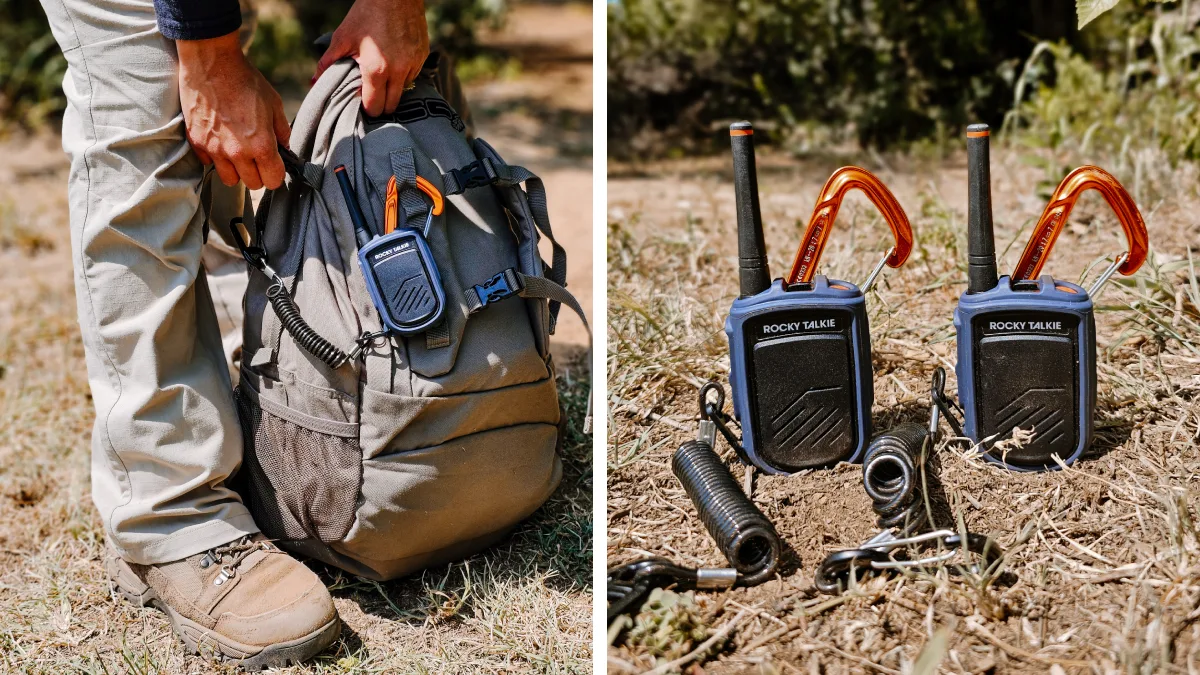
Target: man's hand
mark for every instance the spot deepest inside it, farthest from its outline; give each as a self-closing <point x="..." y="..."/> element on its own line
<point x="389" y="40"/>
<point x="234" y="117"/>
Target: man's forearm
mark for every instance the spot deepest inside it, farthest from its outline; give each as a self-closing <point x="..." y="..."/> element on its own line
<point x="197" y="19"/>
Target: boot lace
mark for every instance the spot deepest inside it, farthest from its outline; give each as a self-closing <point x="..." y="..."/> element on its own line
<point x="232" y="555"/>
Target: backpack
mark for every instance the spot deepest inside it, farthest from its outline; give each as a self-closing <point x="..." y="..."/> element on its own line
<point x="379" y="453"/>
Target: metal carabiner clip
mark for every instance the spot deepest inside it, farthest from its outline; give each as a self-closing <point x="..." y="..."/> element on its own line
<point x="876" y="553"/>
<point x="391" y="206"/>
<point x="843" y="180"/>
<point x="1054" y="217"/>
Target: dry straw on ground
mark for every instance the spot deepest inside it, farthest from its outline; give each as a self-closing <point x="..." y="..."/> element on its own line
<point x="1106" y="555"/>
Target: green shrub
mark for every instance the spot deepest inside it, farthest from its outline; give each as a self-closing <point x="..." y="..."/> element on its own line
<point x="282" y="51"/>
<point x="1148" y="96"/>
<point x="885" y="73"/>
<point x="31" y="66"/>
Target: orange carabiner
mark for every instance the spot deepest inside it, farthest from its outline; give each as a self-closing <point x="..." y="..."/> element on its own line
<point x="391" y="207"/>
<point x="432" y="192"/>
<point x="1055" y="217"/>
<point x="842" y="181"/>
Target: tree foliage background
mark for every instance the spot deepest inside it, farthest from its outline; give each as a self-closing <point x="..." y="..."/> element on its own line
<point x="881" y="73"/>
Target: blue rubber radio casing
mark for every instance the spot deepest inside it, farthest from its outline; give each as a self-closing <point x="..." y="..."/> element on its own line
<point x="403" y="281"/>
<point x="800" y="372"/>
<point x="1027" y="358"/>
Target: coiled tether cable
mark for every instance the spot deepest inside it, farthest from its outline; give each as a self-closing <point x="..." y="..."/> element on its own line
<point x="893" y="476"/>
<point x="311" y="176"/>
<point x="742" y="533"/>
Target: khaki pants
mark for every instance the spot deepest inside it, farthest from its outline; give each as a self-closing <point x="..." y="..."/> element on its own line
<point x="166" y="435"/>
<point x="160" y="310"/>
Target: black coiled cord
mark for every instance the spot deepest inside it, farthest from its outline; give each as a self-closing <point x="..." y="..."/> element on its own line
<point x="301" y="332"/>
<point x="892" y="478"/>
<point x="743" y="534"/>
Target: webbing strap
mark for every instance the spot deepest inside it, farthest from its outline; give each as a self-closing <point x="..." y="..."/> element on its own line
<point x="291" y="263"/>
<point x="500" y="286"/>
<point x="511" y="282"/>
<point x="412" y="202"/>
<point x="299" y="173"/>
<point x="479" y="173"/>
<point x="536" y="190"/>
<point x="437" y="336"/>
<point x="541" y="287"/>
<point x="484" y="171"/>
<point x="512" y="175"/>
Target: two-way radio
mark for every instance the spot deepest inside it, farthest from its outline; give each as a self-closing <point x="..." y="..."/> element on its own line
<point x="1027" y="343"/>
<point x="800" y="347"/>
<point x="398" y="266"/>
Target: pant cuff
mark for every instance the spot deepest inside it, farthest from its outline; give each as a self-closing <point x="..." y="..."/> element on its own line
<point x="189" y="541"/>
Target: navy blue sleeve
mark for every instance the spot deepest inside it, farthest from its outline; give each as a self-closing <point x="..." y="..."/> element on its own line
<point x="197" y="19"/>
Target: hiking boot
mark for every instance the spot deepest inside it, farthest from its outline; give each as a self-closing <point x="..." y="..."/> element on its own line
<point x="246" y="601"/>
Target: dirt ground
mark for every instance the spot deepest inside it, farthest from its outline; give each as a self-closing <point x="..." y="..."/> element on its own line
<point x="1101" y="573"/>
<point x="524" y="606"/>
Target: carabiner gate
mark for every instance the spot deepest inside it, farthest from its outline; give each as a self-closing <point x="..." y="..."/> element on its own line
<point x="391" y="208"/>
<point x="1054" y="217"/>
<point x="843" y="180"/>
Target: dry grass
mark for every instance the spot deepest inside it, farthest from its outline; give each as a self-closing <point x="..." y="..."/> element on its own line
<point x="1106" y="555"/>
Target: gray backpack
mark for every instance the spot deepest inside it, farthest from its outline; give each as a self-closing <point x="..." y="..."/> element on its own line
<point x="381" y="453"/>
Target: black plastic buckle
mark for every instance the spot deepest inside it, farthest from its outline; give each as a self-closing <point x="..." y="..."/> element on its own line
<point x="495" y="289"/>
<point x="476" y="174"/>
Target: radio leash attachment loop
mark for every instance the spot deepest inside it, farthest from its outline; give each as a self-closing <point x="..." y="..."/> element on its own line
<point x="712" y="416"/>
<point x="949" y="408"/>
<point x="362" y="342"/>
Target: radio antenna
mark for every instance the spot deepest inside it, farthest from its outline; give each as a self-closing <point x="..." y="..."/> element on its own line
<point x="981" y="241"/>
<point x="753" y="271"/>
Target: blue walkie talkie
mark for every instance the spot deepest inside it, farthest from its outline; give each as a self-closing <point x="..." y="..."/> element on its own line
<point x="800" y="347"/>
<point x="398" y="267"/>
<point x="1027" y="344"/>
